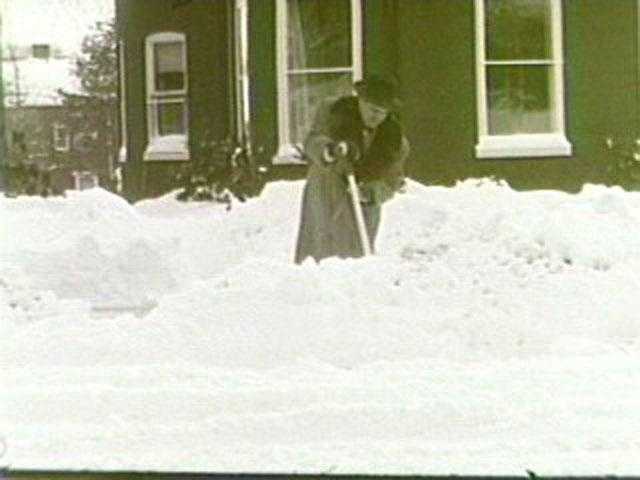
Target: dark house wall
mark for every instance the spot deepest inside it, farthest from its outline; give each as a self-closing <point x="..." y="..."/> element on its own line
<point x="263" y="76"/>
<point x="437" y="71"/>
<point x="429" y="46"/>
<point x="381" y="37"/>
<point x="436" y="50"/>
<point x="206" y="25"/>
<point x="602" y="83"/>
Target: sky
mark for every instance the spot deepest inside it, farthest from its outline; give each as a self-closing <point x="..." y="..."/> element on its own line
<point x="63" y="23"/>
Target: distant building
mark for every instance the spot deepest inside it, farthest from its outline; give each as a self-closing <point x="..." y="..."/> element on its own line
<point x="42" y="134"/>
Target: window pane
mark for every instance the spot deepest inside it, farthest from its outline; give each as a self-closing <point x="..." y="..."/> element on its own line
<point x="60" y="137"/>
<point x="319" y="33"/>
<point x="171" y="118"/>
<point x="518" y="29"/>
<point x="520" y="99"/>
<point x="169" y="66"/>
<point x="307" y="92"/>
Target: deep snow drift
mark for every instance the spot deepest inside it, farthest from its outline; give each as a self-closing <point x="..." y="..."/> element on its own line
<point x="493" y="332"/>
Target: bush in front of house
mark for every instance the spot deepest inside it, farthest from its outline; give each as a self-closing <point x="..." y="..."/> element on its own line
<point x="222" y="171"/>
<point x="28" y="179"/>
<point x="626" y="164"/>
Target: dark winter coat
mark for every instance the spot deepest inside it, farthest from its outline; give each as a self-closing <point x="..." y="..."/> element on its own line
<point x="327" y="221"/>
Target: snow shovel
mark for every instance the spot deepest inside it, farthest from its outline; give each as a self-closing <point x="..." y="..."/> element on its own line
<point x="357" y="209"/>
<point x="342" y="149"/>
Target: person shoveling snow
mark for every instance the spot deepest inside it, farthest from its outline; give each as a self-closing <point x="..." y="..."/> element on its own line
<point x="355" y="136"/>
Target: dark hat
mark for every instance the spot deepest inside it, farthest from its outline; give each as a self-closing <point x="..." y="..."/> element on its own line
<point x="378" y="90"/>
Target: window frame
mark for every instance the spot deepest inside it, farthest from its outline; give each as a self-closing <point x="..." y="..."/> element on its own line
<point x="66" y="146"/>
<point x="287" y="154"/>
<point x="242" y="88"/>
<point x="524" y="145"/>
<point x="124" y="138"/>
<point x="158" y="146"/>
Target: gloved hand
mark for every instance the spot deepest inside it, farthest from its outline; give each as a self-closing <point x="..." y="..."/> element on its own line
<point x="342" y="155"/>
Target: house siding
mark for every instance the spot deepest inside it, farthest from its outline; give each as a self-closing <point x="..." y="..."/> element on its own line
<point x="429" y="47"/>
<point x="438" y="75"/>
<point x="381" y="37"/>
<point x="602" y="71"/>
<point x="437" y="68"/>
<point x="263" y="77"/>
<point x="206" y="27"/>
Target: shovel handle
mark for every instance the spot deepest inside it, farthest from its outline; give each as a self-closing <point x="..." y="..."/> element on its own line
<point x="357" y="208"/>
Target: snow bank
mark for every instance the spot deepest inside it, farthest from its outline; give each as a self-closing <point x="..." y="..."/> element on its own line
<point x="91" y="245"/>
<point x="476" y="269"/>
<point x="495" y="329"/>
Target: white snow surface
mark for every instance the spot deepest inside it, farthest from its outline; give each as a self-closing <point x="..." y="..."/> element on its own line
<point x="494" y="331"/>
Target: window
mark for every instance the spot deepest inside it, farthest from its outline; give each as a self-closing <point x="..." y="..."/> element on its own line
<point x="61" y="138"/>
<point x="520" y="79"/>
<point x="85" y="180"/>
<point x="42" y="51"/>
<point x="84" y="142"/>
<point x="166" y="61"/>
<point x="18" y="140"/>
<point x="319" y="56"/>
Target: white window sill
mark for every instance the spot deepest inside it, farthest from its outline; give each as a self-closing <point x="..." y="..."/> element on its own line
<point x="523" y="146"/>
<point x="288" y="155"/>
<point x="167" y="148"/>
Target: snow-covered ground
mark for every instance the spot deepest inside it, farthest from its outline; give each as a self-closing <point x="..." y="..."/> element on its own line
<point x="493" y="332"/>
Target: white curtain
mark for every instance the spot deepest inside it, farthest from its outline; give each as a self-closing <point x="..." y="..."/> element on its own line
<point x="300" y="108"/>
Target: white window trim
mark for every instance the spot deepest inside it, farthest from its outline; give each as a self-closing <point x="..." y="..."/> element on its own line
<point x="242" y="87"/>
<point x="56" y="137"/>
<point x="124" y="139"/>
<point x="287" y="153"/>
<point x="553" y="144"/>
<point x="172" y="147"/>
